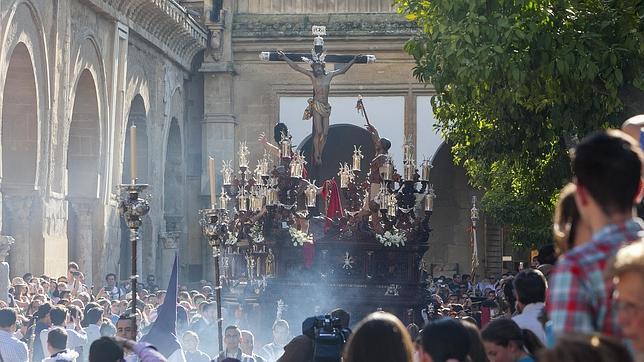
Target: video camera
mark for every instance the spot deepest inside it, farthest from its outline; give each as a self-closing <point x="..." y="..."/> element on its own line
<point x="328" y="335"/>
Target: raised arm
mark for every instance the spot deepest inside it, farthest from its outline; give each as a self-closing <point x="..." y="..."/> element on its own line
<point x="375" y="137"/>
<point x="293" y="65"/>
<point x="346" y="67"/>
<point x="271" y="148"/>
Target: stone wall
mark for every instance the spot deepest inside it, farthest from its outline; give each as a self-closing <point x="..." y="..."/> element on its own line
<point x="85" y="61"/>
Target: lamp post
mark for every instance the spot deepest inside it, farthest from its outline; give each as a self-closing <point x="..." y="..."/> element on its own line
<point x="214" y="227"/>
<point x="474" y="216"/>
<point x="132" y="208"/>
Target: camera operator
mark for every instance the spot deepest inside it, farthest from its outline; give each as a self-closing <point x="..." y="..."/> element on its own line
<point x="303" y="347"/>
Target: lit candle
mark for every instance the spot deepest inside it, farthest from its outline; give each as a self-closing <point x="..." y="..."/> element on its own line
<point x="311" y="193"/>
<point x="429" y="199"/>
<point x="392" y="205"/>
<point x="429" y="202"/>
<point x="265" y="165"/>
<point x="133" y="153"/>
<point x="297" y="165"/>
<point x="425" y="170"/>
<point x="382" y="197"/>
<point x="243" y="155"/>
<point x="258" y="170"/>
<point x="223" y="200"/>
<point x="242" y="198"/>
<point x="387" y="170"/>
<point x="285" y="146"/>
<point x="357" y="156"/>
<point x="408" y="151"/>
<point x="227" y="173"/>
<point x="213" y="182"/>
<point x="270" y="197"/>
<point x="257" y="202"/>
<point x="345" y="176"/>
<point x="410" y="170"/>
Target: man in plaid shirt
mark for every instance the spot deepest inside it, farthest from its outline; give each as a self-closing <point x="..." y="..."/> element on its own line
<point x="607" y="166"/>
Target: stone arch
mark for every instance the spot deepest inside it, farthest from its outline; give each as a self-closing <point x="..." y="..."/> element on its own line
<point x="449" y="241"/>
<point x="20" y="122"/>
<point x="174" y="214"/>
<point x="25" y="30"/>
<point x="173" y="178"/>
<point x="89" y="60"/>
<point x="83" y="172"/>
<point x="137" y="115"/>
<point x="19" y="156"/>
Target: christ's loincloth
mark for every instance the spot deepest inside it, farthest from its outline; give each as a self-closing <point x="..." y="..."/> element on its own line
<point x="323" y="109"/>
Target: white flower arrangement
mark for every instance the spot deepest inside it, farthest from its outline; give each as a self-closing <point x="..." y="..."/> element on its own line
<point x="231" y="239"/>
<point x="392" y="238"/>
<point x="299" y="237"/>
<point x="256" y="233"/>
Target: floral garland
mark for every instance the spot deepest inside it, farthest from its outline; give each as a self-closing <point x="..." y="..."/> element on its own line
<point x="392" y="238"/>
<point x="256" y="233"/>
<point x="299" y="237"/>
<point x="231" y="239"/>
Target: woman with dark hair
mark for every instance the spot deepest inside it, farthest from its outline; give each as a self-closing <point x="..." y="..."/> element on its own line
<point x="504" y="341"/>
<point x="380" y="337"/>
<point x="586" y="348"/>
<point x="444" y="340"/>
<point x="509" y="297"/>
<point x="476" y="351"/>
<point x="568" y="228"/>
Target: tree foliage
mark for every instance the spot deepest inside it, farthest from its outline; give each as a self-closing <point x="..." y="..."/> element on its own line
<point x="517" y="82"/>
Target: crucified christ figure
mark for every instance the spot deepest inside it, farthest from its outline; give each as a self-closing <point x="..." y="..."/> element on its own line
<point x="319" y="108"/>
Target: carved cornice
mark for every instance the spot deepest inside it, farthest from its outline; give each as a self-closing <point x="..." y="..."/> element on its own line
<point x="168" y="23"/>
<point x="337" y="25"/>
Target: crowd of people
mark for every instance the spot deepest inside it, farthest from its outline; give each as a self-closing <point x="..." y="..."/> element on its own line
<point x="581" y="300"/>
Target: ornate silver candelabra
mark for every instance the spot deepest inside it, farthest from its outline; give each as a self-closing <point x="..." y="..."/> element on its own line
<point x="214" y="226"/>
<point x="133" y="208"/>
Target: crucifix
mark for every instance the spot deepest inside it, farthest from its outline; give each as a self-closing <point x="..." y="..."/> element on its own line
<point x="318" y="107"/>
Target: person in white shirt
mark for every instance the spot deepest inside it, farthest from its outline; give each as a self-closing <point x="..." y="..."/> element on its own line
<point x="274" y="350"/>
<point x="76" y="335"/>
<point x="56" y="346"/>
<point x="11" y="348"/>
<point x="530" y="289"/>
<point x="94" y="319"/>
<point x="485" y="284"/>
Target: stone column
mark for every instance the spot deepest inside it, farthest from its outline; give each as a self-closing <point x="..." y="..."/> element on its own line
<point x="170" y="243"/>
<point x="410" y="126"/>
<point x="18" y="212"/>
<point x="5" y="245"/>
<point x="83" y="241"/>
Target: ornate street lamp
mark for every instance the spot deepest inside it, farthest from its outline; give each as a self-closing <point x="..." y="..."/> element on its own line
<point x="133" y="208"/>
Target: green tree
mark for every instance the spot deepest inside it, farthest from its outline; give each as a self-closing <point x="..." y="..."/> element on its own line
<point x="518" y="82"/>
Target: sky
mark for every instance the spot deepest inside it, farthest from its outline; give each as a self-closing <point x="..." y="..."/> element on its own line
<point x="385" y="113"/>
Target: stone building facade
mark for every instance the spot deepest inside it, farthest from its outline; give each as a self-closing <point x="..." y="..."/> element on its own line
<point x="76" y="74"/>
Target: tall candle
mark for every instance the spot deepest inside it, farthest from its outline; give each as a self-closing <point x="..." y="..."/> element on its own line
<point x="213" y="182"/>
<point x="429" y="202"/>
<point x="223" y="200"/>
<point x="133" y="154"/>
